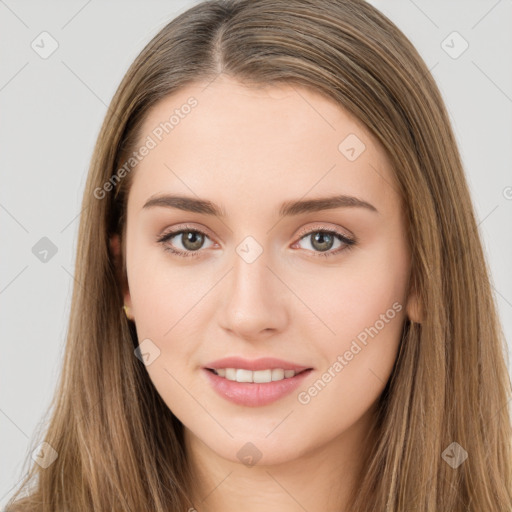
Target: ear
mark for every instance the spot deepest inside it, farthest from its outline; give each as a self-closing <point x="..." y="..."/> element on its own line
<point x="413" y="308"/>
<point x="115" y="250"/>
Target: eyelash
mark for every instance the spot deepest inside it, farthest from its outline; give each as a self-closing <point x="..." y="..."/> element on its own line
<point x="349" y="242"/>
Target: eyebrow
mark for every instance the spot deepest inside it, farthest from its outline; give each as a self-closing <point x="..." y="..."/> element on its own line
<point x="288" y="208"/>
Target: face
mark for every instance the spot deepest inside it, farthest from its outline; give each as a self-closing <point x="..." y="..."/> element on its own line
<point x="321" y="286"/>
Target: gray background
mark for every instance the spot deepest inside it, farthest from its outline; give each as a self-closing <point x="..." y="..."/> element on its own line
<point x="51" y="112"/>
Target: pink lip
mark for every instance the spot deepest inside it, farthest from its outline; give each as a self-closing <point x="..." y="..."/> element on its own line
<point x="253" y="394"/>
<point x="263" y="363"/>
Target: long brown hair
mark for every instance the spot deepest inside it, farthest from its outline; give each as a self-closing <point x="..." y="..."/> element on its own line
<point x="120" y="447"/>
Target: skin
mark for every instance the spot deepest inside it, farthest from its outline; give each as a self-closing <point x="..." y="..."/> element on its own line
<point x="248" y="150"/>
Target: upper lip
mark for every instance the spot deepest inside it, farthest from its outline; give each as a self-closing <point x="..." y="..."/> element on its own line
<point x="263" y="363"/>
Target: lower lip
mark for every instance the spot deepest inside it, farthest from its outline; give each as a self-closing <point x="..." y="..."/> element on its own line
<point x="254" y="394"/>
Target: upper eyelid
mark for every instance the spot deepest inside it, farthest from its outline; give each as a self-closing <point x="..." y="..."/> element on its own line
<point x="302" y="231"/>
<point x="323" y="227"/>
<point x="176" y="231"/>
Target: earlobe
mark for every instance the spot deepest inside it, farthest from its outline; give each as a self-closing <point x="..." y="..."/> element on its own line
<point x="413" y="309"/>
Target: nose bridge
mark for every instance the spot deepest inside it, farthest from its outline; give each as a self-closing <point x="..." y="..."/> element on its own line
<point x="251" y="276"/>
<point x="253" y="301"/>
<point x="250" y="272"/>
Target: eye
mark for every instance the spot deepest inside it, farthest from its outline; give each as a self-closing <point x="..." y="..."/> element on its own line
<point x="322" y="241"/>
<point x="191" y="241"/>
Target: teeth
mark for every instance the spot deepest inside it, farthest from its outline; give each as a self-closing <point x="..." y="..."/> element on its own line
<point x="259" y="376"/>
<point x="244" y="376"/>
<point x="262" y="376"/>
<point x="278" y="374"/>
<point x="230" y="373"/>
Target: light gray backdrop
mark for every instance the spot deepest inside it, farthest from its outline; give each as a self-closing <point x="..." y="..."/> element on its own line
<point x="53" y="100"/>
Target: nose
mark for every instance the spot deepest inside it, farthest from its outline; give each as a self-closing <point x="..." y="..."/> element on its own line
<point x="254" y="301"/>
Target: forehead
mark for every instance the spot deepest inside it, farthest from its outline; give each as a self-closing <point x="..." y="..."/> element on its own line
<point x="273" y="141"/>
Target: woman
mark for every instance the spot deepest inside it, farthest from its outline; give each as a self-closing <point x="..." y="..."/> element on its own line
<point x="283" y="298"/>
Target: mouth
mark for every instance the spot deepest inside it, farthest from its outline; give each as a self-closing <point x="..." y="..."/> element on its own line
<point x="254" y="383"/>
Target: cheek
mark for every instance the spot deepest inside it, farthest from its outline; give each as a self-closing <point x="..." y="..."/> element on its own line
<point x="169" y="303"/>
<point x="357" y="361"/>
<point x="367" y="288"/>
<point x="362" y="308"/>
<point x="163" y="299"/>
<point x="162" y="292"/>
